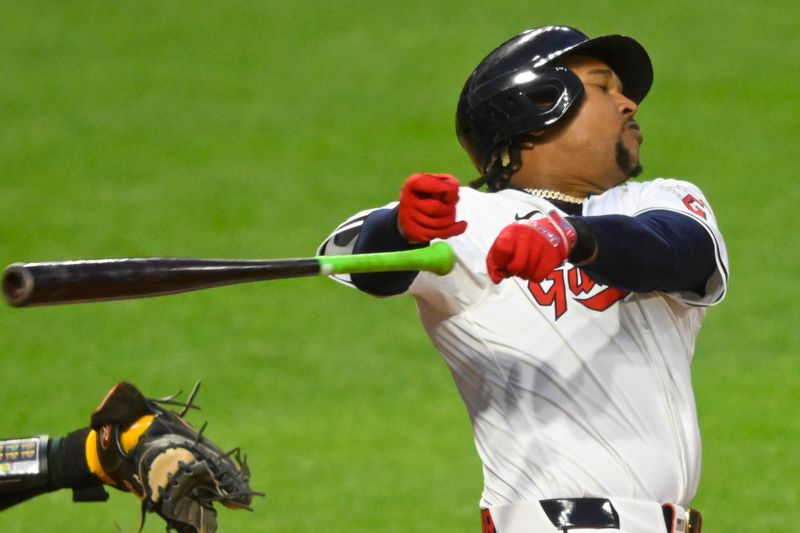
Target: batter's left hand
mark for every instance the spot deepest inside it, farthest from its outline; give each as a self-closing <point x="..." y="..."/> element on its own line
<point x="427" y="208"/>
<point x="531" y="249"/>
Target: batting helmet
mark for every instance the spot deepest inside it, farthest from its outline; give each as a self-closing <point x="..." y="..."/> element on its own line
<point x="516" y="89"/>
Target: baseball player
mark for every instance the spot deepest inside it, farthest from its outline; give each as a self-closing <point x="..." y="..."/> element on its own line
<point x="570" y="318"/>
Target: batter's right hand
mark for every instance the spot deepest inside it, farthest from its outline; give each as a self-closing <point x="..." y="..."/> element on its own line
<point x="531" y="249"/>
<point x="428" y="208"/>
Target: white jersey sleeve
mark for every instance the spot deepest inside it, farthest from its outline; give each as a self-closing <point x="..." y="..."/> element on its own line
<point x="679" y="197"/>
<point x="342" y="240"/>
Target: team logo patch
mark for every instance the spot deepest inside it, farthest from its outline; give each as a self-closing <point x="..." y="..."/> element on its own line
<point x="105" y="437"/>
<point x="691" y="202"/>
<point x="563" y="286"/>
<point x="695" y="205"/>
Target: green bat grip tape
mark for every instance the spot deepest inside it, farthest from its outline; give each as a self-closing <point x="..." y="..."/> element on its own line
<point x="438" y="258"/>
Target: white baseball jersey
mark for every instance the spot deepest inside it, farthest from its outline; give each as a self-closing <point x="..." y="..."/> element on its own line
<point x="574" y="389"/>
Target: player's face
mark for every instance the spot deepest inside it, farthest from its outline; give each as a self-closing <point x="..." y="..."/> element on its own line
<point x="598" y="147"/>
<point x="604" y="124"/>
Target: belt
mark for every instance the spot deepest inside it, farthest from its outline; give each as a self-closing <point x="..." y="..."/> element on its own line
<point x="599" y="513"/>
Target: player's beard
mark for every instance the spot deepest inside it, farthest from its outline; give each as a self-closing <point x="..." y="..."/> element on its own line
<point x="626" y="162"/>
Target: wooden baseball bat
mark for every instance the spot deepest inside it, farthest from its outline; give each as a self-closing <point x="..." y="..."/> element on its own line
<point x="60" y="282"/>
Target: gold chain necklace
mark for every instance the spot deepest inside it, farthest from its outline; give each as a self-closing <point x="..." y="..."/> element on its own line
<point x="555" y="195"/>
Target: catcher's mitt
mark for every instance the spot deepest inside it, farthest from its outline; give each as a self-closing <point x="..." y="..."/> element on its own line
<point x="175" y="470"/>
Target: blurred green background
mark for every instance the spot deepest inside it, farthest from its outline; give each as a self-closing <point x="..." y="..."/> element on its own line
<point x="249" y="129"/>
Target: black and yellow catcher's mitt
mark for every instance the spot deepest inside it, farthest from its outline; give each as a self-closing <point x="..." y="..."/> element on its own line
<point x="174" y="469"/>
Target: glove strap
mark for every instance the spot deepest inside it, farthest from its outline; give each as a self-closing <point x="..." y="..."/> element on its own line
<point x="567" y="232"/>
<point x="108" y="453"/>
<point x="93" y="458"/>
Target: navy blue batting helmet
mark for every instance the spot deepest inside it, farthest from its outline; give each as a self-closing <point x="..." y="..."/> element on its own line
<point x="517" y="89"/>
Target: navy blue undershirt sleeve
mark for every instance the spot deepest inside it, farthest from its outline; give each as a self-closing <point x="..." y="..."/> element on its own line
<point x="657" y="250"/>
<point x="379" y="233"/>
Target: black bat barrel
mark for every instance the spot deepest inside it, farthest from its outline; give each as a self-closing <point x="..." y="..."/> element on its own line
<point x="26" y="284"/>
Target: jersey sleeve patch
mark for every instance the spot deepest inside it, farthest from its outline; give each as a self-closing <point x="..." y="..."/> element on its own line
<point x="695" y="205"/>
<point x="676" y="195"/>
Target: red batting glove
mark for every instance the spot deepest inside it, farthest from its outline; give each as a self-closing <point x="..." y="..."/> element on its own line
<point x="531" y="249"/>
<point x="428" y="208"/>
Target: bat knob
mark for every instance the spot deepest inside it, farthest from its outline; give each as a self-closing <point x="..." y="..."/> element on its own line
<point x="17" y="285"/>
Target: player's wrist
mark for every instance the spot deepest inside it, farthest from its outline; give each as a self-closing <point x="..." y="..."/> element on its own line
<point x="564" y="230"/>
<point x="402" y="233"/>
<point x="67" y="466"/>
<point x="37" y="465"/>
<point x="584" y="250"/>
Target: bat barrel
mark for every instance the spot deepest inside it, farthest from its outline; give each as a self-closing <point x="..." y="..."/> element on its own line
<point x="17" y="285"/>
<point x="26" y="284"/>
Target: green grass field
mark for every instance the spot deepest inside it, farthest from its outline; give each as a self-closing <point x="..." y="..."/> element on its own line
<point x="250" y="129"/>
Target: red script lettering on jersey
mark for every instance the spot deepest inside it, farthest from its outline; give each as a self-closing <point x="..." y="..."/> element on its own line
<point x="563" y="285"/>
